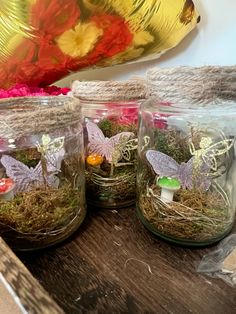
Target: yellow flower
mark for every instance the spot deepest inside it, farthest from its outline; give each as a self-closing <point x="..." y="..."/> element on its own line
<point x="78" y="42"/>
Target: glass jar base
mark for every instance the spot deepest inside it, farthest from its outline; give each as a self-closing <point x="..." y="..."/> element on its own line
<point x="182" y="242"/>
<point x="112" y="205"/>
<point x="33" y="242"/>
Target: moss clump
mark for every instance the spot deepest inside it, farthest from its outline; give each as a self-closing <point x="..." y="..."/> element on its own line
<point x="173" y="144"/>
<point x="111" y="127"/>
<point x="194" y="215"/>
<point x="118" y="191"/>
<point x="29" y="157"/>
<point x="41" y="210"/>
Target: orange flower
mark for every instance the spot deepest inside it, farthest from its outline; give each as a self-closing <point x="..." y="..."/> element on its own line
<point x="54" y="16"/>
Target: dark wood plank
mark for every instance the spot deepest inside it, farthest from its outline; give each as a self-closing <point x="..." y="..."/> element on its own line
<point x="32" y="297"/>
<point x="114" y="265"/>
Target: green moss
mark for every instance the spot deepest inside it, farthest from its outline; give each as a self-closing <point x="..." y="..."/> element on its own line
<point x="29" y="157"/>
<point x="40" y="210"/>
<point x="195" y="215"/>
<point x="173" y="144"/>
<point x="111" y="128"/>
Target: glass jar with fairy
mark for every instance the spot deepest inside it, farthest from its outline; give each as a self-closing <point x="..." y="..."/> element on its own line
<point x="42" y="186"/>
<point x="186" y="177"/>
<point x="110" y="110"/>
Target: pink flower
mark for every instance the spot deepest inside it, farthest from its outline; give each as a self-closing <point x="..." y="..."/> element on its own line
<point x="160" y="119"/>
<point x="23" y="90"/>
<point x="127" y="115"/>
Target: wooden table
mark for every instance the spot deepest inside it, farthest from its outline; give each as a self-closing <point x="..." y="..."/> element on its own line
<point x="114" y="265"/>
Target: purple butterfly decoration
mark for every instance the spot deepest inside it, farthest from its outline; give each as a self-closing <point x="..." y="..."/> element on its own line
<point x="25" y="177"/>
<point x="101" y="145"/>
<point x="165" y="166"/>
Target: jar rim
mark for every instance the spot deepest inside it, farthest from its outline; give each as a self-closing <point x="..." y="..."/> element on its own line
<point x="111" y="91"/>
<point x="219" y="106"/>
<point x="38" y="115"/>
<point x="110" y="105"/>
<point x="35" y="102"/>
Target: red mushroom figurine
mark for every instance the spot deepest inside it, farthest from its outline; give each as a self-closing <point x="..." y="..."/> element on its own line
<point x="6" y="189"/>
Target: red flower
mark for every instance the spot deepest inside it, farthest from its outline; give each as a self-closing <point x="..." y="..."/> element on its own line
<point x="54" y="16"/>
<point x="23" y="72"/>
<point x="48" y="65"/>
<point x="50" y="57"/>
<point x="52" y="76"/>
<point x="55" y="91"/>
<point x="52" y="63"/>
<point x="28" y="73"/>
<point x="117" y="35"/>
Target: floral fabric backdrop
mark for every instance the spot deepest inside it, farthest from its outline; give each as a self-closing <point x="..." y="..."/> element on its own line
<point x="42" y="41"/>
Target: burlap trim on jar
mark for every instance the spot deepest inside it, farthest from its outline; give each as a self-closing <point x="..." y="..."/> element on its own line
<point x="110" y="90"/>
<point x="184" y="84"/>
<point x="34" y="115"/>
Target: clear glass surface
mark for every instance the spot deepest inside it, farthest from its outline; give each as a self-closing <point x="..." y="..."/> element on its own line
<point x="111" y="152"/>
<point x="42" y="186"/>
<point x="186" y="181"/>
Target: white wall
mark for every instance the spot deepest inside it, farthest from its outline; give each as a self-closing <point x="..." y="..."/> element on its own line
<point x="213" y="42"/>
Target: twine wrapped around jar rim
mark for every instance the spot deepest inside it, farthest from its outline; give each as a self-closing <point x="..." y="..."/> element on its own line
<point x="110" y="90"/>
<point x="25" y="116"/>
<point x="207" y="84"/>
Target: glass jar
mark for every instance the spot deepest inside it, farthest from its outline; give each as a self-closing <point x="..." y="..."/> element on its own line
<point x="42" y="186"/>
<point x="187" y="171"/>
<point x="110" y="110"/>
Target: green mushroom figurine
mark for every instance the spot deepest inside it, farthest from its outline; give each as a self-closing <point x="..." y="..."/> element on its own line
<point x="168" y="187"/>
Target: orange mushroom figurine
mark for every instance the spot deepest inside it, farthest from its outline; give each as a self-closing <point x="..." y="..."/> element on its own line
<point x="6" y="189"/>
<point x="94" y="160"/>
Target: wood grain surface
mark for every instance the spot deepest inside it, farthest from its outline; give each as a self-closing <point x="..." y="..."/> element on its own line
<point x="31" y="297"/>
<point x="114" y="265"/>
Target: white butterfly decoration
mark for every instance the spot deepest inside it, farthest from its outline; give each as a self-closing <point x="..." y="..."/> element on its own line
<point x="104" y="146"/>
<point x="25" y="178"/>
